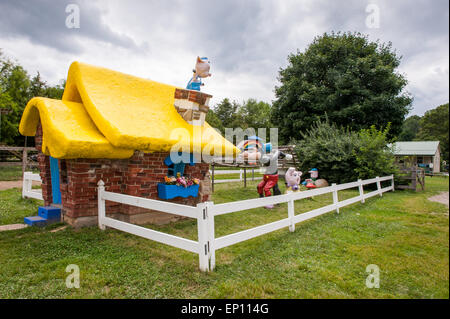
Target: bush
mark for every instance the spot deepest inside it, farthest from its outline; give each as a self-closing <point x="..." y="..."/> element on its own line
<point x="373" y="156"/>
<point x="343" y="156"/>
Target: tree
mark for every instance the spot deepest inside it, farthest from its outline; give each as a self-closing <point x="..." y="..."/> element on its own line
<point x="434" y="127"/>
<point x="345" y="77"/>
<point x="16" y="89"/>
<point x="214" y="121"/>
<point x="410" y="128"/>
<point x="255" y="114"/>
<point x="14" y="93"/>
<point x="228" y="114"/>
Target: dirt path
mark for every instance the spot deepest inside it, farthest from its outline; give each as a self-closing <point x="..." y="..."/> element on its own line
<point x="12" y="227"/>
<point x="14" y="184"/>
<point x="441" y="198"/>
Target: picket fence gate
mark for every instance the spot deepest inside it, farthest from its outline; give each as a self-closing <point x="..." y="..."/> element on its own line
<point x="207" y="243"/>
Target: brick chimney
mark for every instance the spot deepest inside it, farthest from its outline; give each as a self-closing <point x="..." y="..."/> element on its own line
<point x="192" y="105"/>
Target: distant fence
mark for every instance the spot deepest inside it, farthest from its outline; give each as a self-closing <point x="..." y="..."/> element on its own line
<point x="18" y="156"/>
<point x="27" y="186"/>
<point x="240" y="171"/>
<point x="410" y="178"/>
<point x="207" y="243"/>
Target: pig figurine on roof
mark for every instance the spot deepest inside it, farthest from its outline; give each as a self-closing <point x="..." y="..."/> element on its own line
<point x="201" y="71"/>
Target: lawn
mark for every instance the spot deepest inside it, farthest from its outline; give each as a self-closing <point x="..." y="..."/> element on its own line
<point x="10" y="173"/>
<point x="13" y="173"/>
<point x="403" y="233"/>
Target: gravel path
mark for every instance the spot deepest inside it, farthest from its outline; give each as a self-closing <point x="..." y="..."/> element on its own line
<point x="441" y="198"/>
<point x="14" y="184"/>
<point x="12" y="227"/>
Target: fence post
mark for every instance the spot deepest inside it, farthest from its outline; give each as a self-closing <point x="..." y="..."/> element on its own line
<point x="335" y="196"/>
<point x="24" y="184"/>
<point x="361" y="191"/>
<point x="212" y="177"/>
<point x="392" y="183"/>
<point x="291" y="214"/>
<point x="24" y="159"/>
<point x="211" y="236"/>
<point x="245" y="177"/>
<point x="101" y="204"/>
<point x="379" y="186"/>
<point x="202" y="228"/>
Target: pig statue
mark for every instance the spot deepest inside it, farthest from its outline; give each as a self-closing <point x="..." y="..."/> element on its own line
<point x="201" y="71"/>
<point x="292" y="179"/>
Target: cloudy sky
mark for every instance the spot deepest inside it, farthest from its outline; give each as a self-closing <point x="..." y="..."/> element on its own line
<point x="246" y="41"/>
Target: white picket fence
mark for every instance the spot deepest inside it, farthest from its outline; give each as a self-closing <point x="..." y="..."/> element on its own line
<point x="207" y="243"/>
<point x="240" y="172"/>
<point x="27" y="190"/>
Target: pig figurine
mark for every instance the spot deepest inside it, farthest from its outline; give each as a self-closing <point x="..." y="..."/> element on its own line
<point x="292" y="179"/>
<point x="201" y="71"/>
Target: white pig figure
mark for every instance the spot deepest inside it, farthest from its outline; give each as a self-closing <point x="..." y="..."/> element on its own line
<point x="202" y="67"/>
<point x="201" y="71"/>
<point x="293" y="179"/>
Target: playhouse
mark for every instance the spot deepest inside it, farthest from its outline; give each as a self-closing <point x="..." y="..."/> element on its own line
<point x="120" y="129"/>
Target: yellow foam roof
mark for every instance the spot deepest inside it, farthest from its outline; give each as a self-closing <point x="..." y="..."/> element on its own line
<point x="108" y="114"/>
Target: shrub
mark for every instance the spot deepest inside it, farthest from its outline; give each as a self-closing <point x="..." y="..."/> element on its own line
<point x="342" y="155"/>
<point x="329" y="148"/>
<point x="373" y="156"/>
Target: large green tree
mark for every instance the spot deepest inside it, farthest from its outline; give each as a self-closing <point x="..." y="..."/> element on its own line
<point x="16" y="89"/>
<point x="14" y="94"/>
<point x="345" y="77"/>
<point x="228" y="114"/>
<point x="214" y="121"/>
<point x="251" y="114"/>
<point x="255" y="114"/>
<point x="434" y="127"/>
<point x="410" y="128"/>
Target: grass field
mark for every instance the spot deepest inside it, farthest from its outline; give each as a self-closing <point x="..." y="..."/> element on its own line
<point x="403" y="233"/>
<point x="13" y="173"/>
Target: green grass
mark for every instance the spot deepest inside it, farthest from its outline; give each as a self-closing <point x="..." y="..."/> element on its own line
<point x="12" y="173"/>
<point x="13" y="208"/>
<point x="403" y="233"/>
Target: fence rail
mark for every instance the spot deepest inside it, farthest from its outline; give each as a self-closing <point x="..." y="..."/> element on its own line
<point x="207" y="243"/>
<point x="229" y="172"/>
<point x="27" y="190"/>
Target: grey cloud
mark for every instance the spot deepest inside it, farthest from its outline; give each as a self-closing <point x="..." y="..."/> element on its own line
<point x="240" y="37"/>
<point x="43" y="22"/>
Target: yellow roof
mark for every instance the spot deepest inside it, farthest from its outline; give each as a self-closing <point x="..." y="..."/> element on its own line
<point x="108" y="114"/>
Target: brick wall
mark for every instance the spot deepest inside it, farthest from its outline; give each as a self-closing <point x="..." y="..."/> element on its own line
<point x="136" y="176"/>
